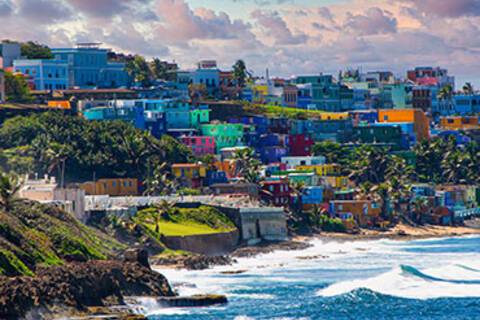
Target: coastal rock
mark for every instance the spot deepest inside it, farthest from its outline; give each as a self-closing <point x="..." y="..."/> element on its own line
<point x="194" y="262"/>
<point x="193" y="301"/>
<point x="139" y="256"/>
<point x="78" y="286"/>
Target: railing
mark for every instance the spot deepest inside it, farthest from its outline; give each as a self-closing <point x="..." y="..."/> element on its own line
<point x="466" y="213"/>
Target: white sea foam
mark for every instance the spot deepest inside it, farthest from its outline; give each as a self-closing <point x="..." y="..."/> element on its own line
<point x="408" y="282"/>
<point x="256" y="296"/>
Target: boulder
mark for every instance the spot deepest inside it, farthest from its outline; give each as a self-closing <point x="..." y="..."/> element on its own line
<point x="139" y="256"/>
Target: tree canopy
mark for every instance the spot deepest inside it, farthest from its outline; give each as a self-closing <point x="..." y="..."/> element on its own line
<point x="16" y="88"/>
<point x="34" y="50"/>
<point x="40" y="143"/>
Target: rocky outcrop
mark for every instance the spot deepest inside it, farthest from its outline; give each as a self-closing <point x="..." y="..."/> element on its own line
<point x="77" y="286"/>
<point x="267" y="247"/>
<point x="194" y="262"/>
<point x="193" y="301"/>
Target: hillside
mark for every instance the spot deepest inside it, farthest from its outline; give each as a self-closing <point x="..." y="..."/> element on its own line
<point x="33" y="235"/>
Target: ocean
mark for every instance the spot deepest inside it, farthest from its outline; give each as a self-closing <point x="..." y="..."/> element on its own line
<point x="382" y="279"/>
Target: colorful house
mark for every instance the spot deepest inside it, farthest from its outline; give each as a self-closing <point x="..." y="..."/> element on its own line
<point x="200" y="145"/>
<point x="388" y="135"/>
<point x="296" y="162"/>
<point x="199" y="116"/>
<point x="276" y="192"/>
<point x="226" y="134"/>
<point x="330" y="169"/>
<point x="459" y="123"/>
<point x="417" y="117"/>
<point x="112" y="187"/>
<point x="364" y="212"/>
<point x="312" y="196"/>
<point x="300" y="145"/>
<point x="190" y="174"/>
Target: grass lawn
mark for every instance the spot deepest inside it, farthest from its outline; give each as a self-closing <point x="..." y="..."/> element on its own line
<point x="187" y="229"/>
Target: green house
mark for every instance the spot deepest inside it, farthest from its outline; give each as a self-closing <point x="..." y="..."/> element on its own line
<point x="391" y="135"/>
<point x="198" y="117"/>
<point x="227" y="135"/>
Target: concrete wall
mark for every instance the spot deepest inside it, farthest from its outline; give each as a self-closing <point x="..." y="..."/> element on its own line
<point x="209" y="244"/>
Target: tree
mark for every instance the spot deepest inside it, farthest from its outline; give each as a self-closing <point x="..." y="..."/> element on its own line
<point x="160" y="183"/>
<point x="139" y="70"/>
<point x="240" y="73"/>
<point x="468" y="88"/>
<point x="10" y="185"/>
<point x="34" y="50"/>
<point x="16" y="88"/>
<point x="247" y="166"/>
<point x="333" y="152"/>
<point x="370" y="165"/>
<point x="161" y="211"/>
<point x="158" y="69"/>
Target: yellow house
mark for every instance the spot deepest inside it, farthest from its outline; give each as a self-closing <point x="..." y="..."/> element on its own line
<point x="189" y="170"/>
<point x="339" y="182"/>
<point x="322" y="170"/>
<point x="111" y="187"/>
<point x="325" y="116"/>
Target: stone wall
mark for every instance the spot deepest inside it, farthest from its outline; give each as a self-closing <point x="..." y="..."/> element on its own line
<point x="208" y="244"/>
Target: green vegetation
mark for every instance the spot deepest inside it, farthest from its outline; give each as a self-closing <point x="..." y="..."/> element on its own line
<point x="34" y="50"/>
<point x="184" y="222"/>
<point x="16" y="88"/>
<point x="52" y="141"/>
<point x="331" y="224"/>
<point x="33" y="234"/>
<point x="273" y="111"/>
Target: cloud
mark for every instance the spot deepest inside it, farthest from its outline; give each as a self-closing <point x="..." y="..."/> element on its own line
<point x="447" y="8"/>
<point x="181" y="24"/>
<point x="6" y="8"/>
<point x="43" y="11"/>
<point x="276" y="27"/>
<point x="374" y="21"/>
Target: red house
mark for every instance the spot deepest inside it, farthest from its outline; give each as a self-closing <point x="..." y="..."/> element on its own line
<point x="200" y="145"/>
<point x="276" y="192"/>
<point x="300" y="145"/>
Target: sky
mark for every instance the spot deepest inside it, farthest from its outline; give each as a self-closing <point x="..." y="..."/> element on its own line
<point x="286" y="36"/>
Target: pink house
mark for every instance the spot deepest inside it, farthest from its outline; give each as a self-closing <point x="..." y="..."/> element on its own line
<point x="200" y="145"/>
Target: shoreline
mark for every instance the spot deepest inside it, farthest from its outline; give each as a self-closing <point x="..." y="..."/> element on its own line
<point x="401" y="232"/>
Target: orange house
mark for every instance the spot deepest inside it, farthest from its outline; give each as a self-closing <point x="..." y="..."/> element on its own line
<point x="421" y="124"/>
<point x="459" y="123"/>
<point x="111" y="187"/>
<point x="56" y="104"/>
<point x="363" y="211"/>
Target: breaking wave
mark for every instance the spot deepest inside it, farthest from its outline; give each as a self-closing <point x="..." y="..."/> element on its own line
<point x="456" y="280"/>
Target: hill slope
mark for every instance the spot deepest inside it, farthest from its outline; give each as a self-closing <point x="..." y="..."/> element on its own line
<point x="33" y="234"/>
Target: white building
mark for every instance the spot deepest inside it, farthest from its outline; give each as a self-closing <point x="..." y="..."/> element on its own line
<point x="293" y="162"/>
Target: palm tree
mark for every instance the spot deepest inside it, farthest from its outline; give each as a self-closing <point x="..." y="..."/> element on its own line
<point x="163" y="211"/>
<point x="57" y="154"/>
<point x="240" y="73"/>
<point x="10" y="185"/>
<point x="159" y="182"/>
<point x="370" y="165"/>
<point x="247" y="166"/>
<point x="468" y="88"/>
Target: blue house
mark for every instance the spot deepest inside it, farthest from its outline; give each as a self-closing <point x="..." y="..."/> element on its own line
<point x="88" y="67"/>
<point x="313" y="195"/>
<point x="82" y="67"/>
<point x="466" y="104"/>
<point x="46" y="74"/>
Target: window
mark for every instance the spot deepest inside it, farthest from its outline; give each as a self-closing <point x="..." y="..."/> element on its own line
<point x="114" y="184"/>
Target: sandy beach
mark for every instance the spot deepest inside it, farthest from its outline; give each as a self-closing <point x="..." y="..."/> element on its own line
<point x="403" y="232"/>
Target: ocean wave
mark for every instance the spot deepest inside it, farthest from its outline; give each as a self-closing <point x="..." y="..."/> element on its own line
<point x="256" y="296"/>
<point x="457" y="281"/>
